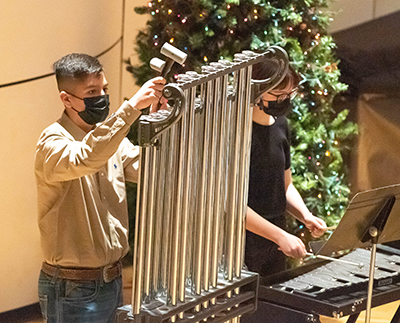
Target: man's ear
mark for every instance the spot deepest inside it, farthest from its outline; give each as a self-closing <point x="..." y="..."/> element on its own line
<point x="65" y="99"/>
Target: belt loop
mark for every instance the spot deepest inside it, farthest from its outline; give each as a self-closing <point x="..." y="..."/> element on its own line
<point x="54" y="278"/>
<point x="119" y="265"/>
<point x="102" y="276"/>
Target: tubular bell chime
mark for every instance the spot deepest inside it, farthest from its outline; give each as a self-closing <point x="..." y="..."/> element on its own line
<point x="192" y="194"/>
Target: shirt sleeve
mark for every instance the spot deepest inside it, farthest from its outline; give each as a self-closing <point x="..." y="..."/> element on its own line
<point x="59" y="157"/>
<point x="130" y="160"/>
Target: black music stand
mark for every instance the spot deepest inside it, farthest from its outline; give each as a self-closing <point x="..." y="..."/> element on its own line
<point x="372" y="216"/>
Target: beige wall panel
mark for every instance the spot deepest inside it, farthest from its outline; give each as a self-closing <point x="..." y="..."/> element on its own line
<point x="351" y="13"/>
<point x="385" y="7"/>
<point x="133" y="23"/>
<point x="33" y="34"/>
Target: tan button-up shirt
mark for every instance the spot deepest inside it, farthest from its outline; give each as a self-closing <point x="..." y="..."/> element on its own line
<point x="82" y="208"/>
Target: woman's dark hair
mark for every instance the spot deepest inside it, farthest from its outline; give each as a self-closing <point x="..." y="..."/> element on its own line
<point x="266" y="69"/>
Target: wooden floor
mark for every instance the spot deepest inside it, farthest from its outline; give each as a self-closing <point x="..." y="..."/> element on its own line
<point x="31" y="314"/>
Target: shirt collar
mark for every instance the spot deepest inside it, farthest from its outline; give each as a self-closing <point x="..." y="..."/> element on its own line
<point x="71" y="127"/>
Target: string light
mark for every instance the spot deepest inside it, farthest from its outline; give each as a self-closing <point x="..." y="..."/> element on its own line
<point x="171" y="40"/>
<point x="169" y="11"/>
<point x="184" y="20"/>
<point x="327" y="153"/>
<point x="205" y="58"/>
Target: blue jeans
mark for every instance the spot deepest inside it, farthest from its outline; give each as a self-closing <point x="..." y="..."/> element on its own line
<point x="71" y="301"/>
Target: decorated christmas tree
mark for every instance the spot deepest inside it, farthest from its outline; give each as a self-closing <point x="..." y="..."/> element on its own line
<point x="209" y="30"/>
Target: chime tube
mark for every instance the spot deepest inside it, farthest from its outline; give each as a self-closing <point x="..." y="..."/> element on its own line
<point x="151" y="165"/>
<point x="211" y="188"/>
<point x="233" y="215"/>
<point x="220" y="183"/>
<point x="175" y="219"/>
<point x="159" y="208"/>
<point x="187" y="194"/>
<point x="167" y="214"/>
<point x="244" y="168"/>
<point x="140" y="234"/>
<point x="249" y="130"/>
<point x="201" y="214"/>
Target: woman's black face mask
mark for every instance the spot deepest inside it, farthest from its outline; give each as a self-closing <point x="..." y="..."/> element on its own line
<point x="276" y="109"/>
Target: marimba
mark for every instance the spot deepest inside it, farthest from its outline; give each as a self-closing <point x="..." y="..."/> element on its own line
<point x="329" y="288"/>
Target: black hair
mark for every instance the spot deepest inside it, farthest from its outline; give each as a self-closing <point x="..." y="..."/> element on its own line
<point x="266" y="69"/>
<point x="75" y="67"/>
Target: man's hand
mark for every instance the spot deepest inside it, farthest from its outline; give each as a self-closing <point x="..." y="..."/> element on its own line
<point x="150" y="93"/>
<point x="292" y="246"/>
<point x="316" y="225"/>
<point x="161" y="105"/>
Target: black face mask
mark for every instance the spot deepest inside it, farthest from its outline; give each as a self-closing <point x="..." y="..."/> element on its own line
<point x="275" y="108"/>
<point x="96" y="108"/>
